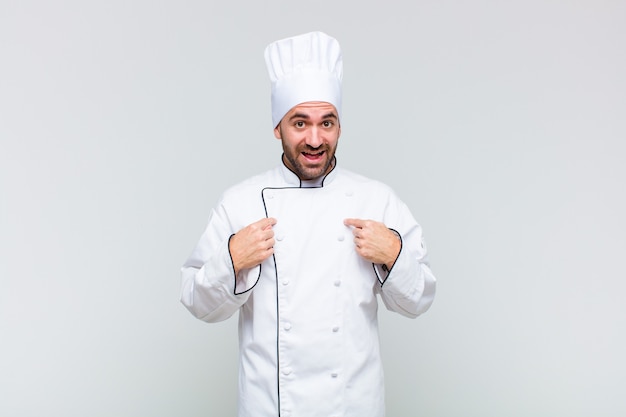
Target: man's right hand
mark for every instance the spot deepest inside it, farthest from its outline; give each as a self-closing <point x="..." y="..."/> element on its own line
<point x="252" y="245"/>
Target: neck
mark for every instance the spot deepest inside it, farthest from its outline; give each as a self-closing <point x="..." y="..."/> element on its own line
<point x="313" y="182"/>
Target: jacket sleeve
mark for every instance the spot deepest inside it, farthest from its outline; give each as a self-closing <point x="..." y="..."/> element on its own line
<point x="409" y="286"/>
<point x="209" y="288"/>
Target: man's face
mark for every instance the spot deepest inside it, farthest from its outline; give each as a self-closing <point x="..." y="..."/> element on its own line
<point x="309" y="133"/>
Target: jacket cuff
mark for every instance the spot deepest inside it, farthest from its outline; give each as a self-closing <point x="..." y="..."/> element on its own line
<point x="381" y="270"/>
<point x="246" y="279"/>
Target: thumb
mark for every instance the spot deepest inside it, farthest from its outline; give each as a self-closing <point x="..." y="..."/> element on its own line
<point x="268" y="223"/>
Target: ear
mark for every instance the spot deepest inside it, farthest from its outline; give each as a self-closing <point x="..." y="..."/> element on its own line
<point x="277" y="134"/>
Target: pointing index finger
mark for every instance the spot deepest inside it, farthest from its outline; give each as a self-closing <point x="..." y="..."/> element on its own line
<point x="358" y="223"/>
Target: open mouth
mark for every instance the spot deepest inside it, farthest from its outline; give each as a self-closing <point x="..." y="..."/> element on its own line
<point x="313" y="156"/>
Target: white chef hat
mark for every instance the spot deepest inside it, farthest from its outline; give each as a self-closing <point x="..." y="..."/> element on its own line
<point x="304" y="68"/>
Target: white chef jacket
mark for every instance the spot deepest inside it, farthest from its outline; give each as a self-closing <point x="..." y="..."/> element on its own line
<point x="308" y="329"/>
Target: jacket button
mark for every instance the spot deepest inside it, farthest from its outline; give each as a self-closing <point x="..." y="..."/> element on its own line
<point x="285" y="282"/>
<point x="334" y="375"/>
<point x="340" y="238"/>
<point x="335" y="329"/>
<point x="280" y="237"/>
<point x="286" y="371"/>
<point x="287" y="326"/>
<point x="337" y="283"/>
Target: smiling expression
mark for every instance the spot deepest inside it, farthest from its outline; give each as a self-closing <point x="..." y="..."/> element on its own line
<point x="309" y="133"/>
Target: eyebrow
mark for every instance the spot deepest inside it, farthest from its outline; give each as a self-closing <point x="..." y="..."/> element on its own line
<point x="330" y="115"/>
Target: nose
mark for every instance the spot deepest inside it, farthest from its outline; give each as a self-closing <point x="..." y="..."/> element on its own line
<point x="314" y="138"/>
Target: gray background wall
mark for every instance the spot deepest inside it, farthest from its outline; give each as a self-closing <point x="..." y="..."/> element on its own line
<point x="501" y="124"/>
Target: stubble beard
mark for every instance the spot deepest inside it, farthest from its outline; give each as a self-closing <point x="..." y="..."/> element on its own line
<point x="310" y="173"/>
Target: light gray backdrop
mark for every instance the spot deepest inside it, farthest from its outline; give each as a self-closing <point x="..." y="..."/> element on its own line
<point x="501" y="124"/>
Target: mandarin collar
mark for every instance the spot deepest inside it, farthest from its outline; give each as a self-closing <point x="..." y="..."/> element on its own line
<point x="293" y="180"/>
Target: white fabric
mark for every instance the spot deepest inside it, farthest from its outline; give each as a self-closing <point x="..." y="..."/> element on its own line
<point x="304" y="68"/>
<point x="308" y="324"/>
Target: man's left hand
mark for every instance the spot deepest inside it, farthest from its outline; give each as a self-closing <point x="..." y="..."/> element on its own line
<point x="374" y="241"/>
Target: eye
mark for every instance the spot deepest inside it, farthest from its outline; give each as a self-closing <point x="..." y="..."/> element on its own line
<point x="299" y="124"/>
<point x="327" y="123"/>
